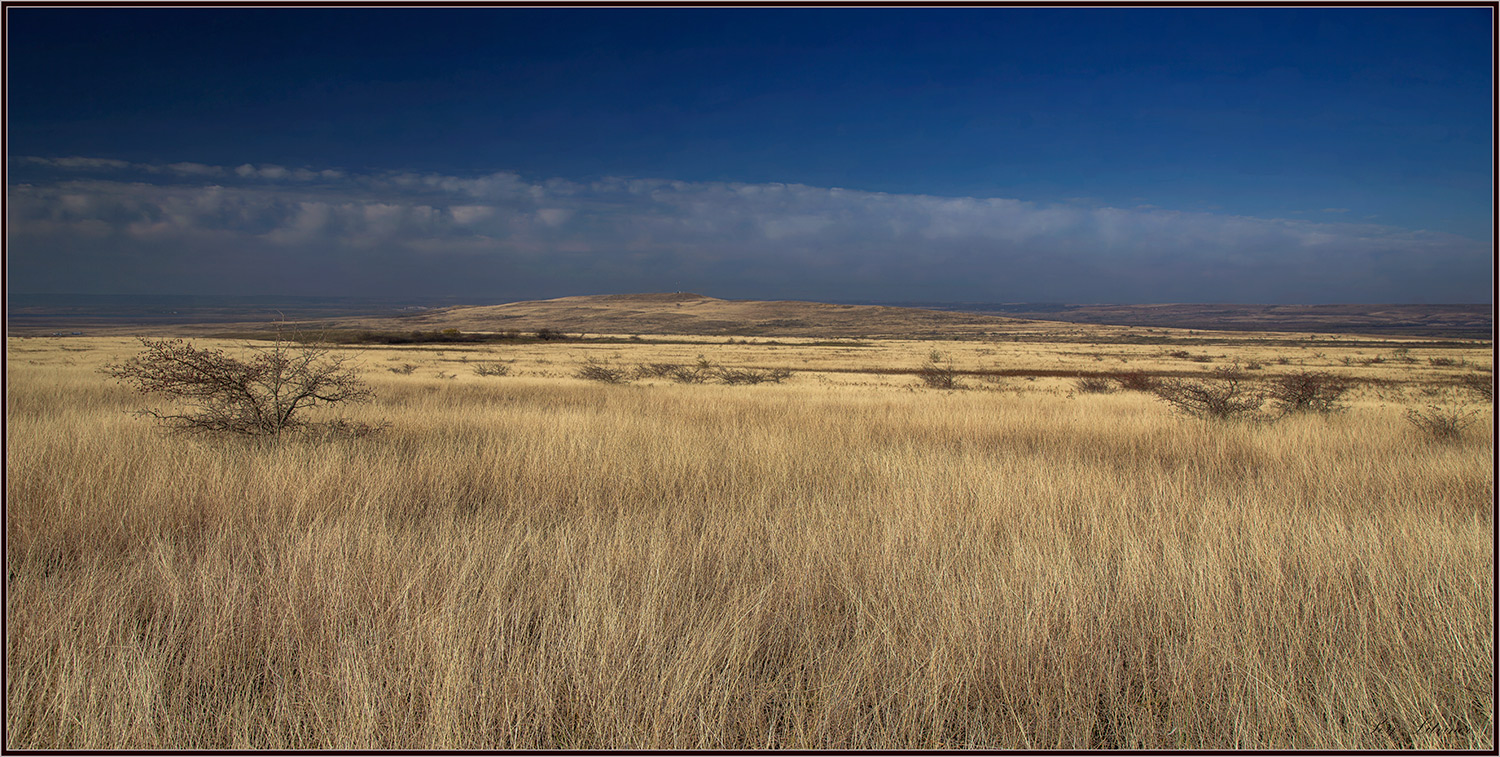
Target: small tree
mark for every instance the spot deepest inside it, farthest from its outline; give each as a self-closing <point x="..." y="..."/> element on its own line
<point x="263" y="396"/>
<point x="1225" y="394"/>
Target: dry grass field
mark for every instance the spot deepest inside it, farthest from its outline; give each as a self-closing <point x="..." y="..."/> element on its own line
<point x="844" y="560"/>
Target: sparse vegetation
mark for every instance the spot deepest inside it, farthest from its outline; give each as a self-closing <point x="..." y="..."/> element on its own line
<point x="265" y="395"/>
<point x="938" y="373"/>
<point x="1481" y="385"/>
<point x="1225" y="394"/>
<point x="1136" y="381"/>
<point x="1308" y="392"/>
<point x="601" y="371"/>
<point x="1094" y="385"/>
<point x="1442" y="421"/>
<point x="492" y="368"/>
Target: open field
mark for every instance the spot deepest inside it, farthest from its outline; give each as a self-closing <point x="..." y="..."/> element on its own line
<point x="847" y="559"/>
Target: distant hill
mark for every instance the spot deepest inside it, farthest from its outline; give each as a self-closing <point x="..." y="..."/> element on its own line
<point x="685" y="313"/>
<point x="696" y="314"/>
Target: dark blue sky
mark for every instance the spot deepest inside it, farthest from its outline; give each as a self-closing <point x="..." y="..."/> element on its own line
<point x="1151" y="154"/>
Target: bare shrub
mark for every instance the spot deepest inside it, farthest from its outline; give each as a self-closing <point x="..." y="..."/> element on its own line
<point x="656" y="370"/>
<point x="1225" y="394"/>
<point x="937" y="373"/>
<point x="1309" y="391"/>
<point x="405" y="369"/>
<point x="1094" y="385"/>
<point x="596" y="370"/>
<point x="696" y="373"/>
<point x="1136" y="381"/>
<point x="1444" y="362"/>
<point x="491" y="369"/>
<point x="752" y="375"/>
<point x="1443" y="422"/>
<point x="263" y="396"/>
<point x="1481" y="385"/>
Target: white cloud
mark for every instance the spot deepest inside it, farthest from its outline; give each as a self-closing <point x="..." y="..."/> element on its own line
<point x="627" y="232"/>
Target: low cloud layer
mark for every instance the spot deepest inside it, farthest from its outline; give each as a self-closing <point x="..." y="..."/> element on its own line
<point x="102" y="225"/>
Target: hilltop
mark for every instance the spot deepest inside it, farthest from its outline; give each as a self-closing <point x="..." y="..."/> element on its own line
<point x="696" y="314"/>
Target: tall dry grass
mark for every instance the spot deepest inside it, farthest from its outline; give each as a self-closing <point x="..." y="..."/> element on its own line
<point x="533" y="563"/>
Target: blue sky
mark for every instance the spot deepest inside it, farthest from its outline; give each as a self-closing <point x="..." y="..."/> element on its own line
<point x="977" y="154"/>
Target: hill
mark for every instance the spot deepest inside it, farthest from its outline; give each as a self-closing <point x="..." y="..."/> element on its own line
<point x="695" y="314"/>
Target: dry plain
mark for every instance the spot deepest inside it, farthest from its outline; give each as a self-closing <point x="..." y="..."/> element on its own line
<point x="848" y="559"/>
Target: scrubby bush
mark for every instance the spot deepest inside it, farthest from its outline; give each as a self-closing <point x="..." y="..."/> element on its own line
<point x="1442" y="422"/>
<point x="1225" y="394"/>
<point x="1094" y="385"/>
<point x="1308" y="392"/>
<point x="491" y="369"/>
<point x="405" y="369"/>
<point x="1480" y="384"/>
<point x="696" y="373"/>
<point x="596" y="370"/>
<point x="656" y="370"/>
<point x="937" y="373"/>
<point x="265" y="395"/>
<point x="1136" y="381"/>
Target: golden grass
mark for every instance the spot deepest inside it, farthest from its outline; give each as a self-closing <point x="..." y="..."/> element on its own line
<point x="538" y="562"/>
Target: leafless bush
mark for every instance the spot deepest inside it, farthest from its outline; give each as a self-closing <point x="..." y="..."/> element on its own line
<point x="1225" y="394"/>
<point x="1309" y="391"/>
<point x="405" y="369"/>
<point x="752" y="375"/>
<point x="696" y="373"/>
<point x="656" y="370"/>
<point x="1444" y="422"/>
<point x="1136" y="381"/>
<point x="1479" y="384"/>
<point x="741" y="375"/>
<point x="491" y="369"/>
<point x="1094" y="385"/>
<point x="939" y="374"/>
<point x="263" y="396"/>
<point x="595" y="370"/>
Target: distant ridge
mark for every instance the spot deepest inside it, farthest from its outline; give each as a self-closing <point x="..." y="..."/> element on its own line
<point x="690" y="313"/>
<point x="695" y="314"/>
